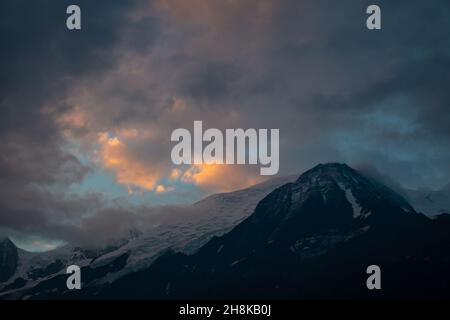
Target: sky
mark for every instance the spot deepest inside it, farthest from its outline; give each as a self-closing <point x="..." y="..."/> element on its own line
<point x="86" y="116"/>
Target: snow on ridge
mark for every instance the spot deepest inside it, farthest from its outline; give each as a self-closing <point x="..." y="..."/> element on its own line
<point x="357" y="209"/>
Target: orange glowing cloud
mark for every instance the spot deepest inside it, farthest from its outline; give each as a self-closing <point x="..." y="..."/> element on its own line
<point x="220" y="177"/>
<point x="175" y="174"/>
<point x="163" y="189"/>
<point x="114" y="156"/>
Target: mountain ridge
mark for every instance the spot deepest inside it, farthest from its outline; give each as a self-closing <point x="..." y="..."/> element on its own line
<point x="309" y="238"/>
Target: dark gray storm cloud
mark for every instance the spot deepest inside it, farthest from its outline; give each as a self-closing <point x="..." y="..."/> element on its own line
<point x="337" y="91"/>
<point x="39" y="61"/>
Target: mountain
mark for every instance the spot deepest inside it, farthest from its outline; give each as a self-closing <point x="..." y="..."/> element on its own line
<point x="310" y="239"/>
<point x="212" y="216"/>
<point x="8" y="259"/>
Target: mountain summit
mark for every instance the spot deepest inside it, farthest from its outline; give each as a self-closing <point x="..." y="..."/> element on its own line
<point x="329" y="196"/>
<point x="362" y="192"/>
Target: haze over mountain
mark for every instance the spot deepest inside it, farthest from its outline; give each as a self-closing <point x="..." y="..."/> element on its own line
<point x="431" y="202"/>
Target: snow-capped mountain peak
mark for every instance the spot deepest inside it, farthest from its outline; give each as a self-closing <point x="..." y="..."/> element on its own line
<point x="363" y="193"/>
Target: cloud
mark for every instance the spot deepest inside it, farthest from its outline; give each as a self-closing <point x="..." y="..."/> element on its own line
<point x="40" y="61"/>
<point x="234" y="64"/>
<point x="337" y="91"/>
<point x="163" y="189"/>
<point x="73" y="118"/>
<point x="221" y="177"/>
<point x="114" y="156"/>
